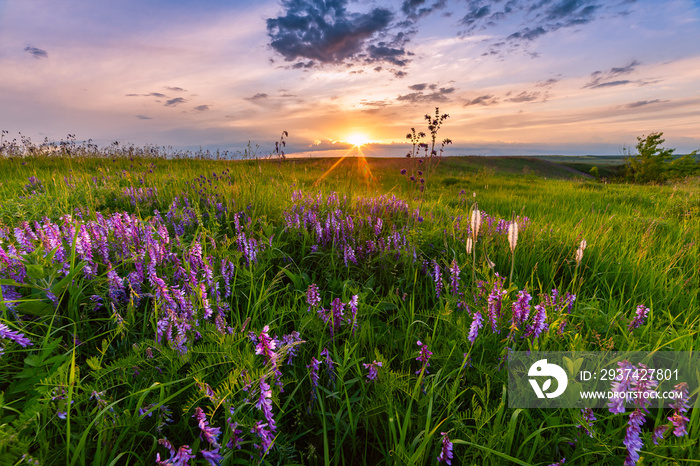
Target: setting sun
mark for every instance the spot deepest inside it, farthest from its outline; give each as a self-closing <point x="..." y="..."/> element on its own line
<point x="357" y="139"/>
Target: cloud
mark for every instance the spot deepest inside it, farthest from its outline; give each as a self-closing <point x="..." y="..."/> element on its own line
<point x="383" y="52"/>
<point x="420" y="97"/>
<point x="175" y="89"/>
<point x="534" y="17"/>
<point x="526" y="97"/>
<point x="477" y="12"/>
<point x="303" y="65"/>
<point x="143" y="117"/>
<point x="150" y="94"/>
<point x="36" y="52"/>
<point x="610" y="84"/>
<point x="325" y="32"/>
<point x="418" y="87"/>
<point x="259" y="97"/>
<point x="415" y="9"/>
<point x="202" y="108"/>
<point x="642" y="103"/>
<point x="485" y="100"/>
<point x="174" y="102"/>
<point x="528" y="33"/>
<point x="607" y="78"/>
<point x="548" y="83"/>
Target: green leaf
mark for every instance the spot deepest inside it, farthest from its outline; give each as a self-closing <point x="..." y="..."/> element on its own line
<point x="35" y="271"/>
<point x="60" y="287"/>
<point x="35" y="308"/>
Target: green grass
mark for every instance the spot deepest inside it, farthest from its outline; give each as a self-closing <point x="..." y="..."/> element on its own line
<point x="643" y="248"/>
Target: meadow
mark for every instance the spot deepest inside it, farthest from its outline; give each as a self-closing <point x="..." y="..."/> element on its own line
<point x="204" y="311"/>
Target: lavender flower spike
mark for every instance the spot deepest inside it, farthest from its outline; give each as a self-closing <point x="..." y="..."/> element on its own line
<point x="14" y="335"/>
<point x="373" y="370"/>
<point x="640" y="315"/>
<point x="446" y="452"/>
<point x="477" y="323"/>
<point x="423" y="357"/>
<point x="633" y="441"/>
<point x="678" y="419"/>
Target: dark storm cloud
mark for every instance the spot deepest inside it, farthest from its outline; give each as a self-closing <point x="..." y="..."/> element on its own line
<point x="608" y="78"/>
<point x="485" y="100"/>
<point x="325" y="32"/>
<point x="36" y="52"/>
<point x="421" y="97"/>
<point x="174" y="102"/>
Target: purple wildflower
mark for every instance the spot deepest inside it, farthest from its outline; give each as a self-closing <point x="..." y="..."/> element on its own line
<point x="521" y="309"/>
<point x="495" y="300"/>
<point x="180" y="458"/>
<point x="477" y="323"/>
<point x="446" y="453"/>
<point x="373" y="368"/>
<point x="403" y="171"/>
<point x="235" y="440"/>
<point x="265" y="436"/>
<point x="352" y="304"/>
<point x="559" y="463"/>
<point x="454" y="277"/>
<point x="313" y="298"/>
<point x="264" y="404"/>
<point x="540" y="322"/>
<point x="620" y="386"/>
<point x="639" y="317"/>
<point x="329" y="364"/>
<point x="437" y="277"/>
<point x="337" y="307"/>
<point x="633" y="441"/>
<point x="588" y="417"/>
<point x="212" y="456"/>
<point x="678" y="419"/>
<point x="208" y="434"/>
<point x="423" y="357"/>
<point x="290" y="343"/>
<point x="14" y="335"/>
<point x="313" y="374"/>
<point x="659" y="433"/>
<point x="644" y="388"/>
<point x="266" y="345"/>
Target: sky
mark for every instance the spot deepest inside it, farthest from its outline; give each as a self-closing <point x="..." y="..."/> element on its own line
<point x="515" y="76"/>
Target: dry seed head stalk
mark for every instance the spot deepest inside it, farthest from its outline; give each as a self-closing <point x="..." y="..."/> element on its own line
<point x="579" y="252"/>
<point x="469" y="245"/>
<point x="513" y="235"/>
<point x="476" y="221"/>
